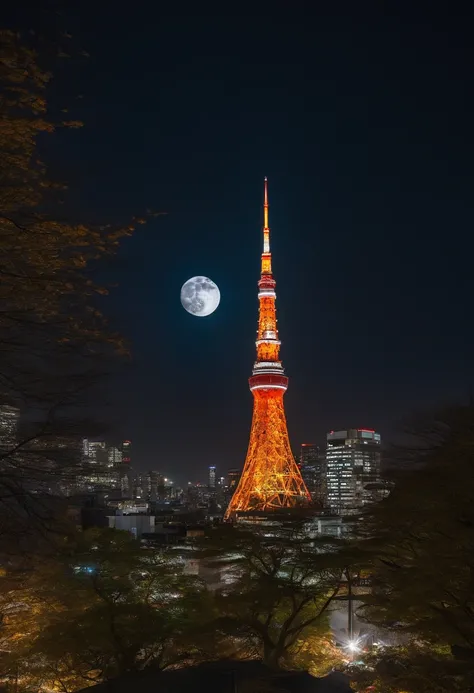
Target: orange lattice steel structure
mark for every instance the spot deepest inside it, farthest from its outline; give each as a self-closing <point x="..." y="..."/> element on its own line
<point x="271" y="479"/>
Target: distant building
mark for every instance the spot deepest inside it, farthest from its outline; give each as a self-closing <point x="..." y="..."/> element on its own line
<point x="139" y="486"/>
<point x="353" y="469"/>
<point x="135" y="524"/>
<point x="126" y="452"/>
<point x="101" y="467"/>
<point x="124" y="482"/>
<point x="95" y="452"/>
<point x="56" y="463"/>
<point x="153" y="485"/>
<point x="212" y="478"/>
<point x="233" y="478"/>
<point x="313" y="470"/>
<point x="126" y="473"/>
<point x="114" y="456"/>
<point x="9" y="418"/>
<point x="131" y="507"/>
<point x="194" y="495"/>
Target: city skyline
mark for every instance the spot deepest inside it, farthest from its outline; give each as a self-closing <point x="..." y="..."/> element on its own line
<point x="170" y="514"/>
<point x="112" y="455"/>
<point x="373" y="253"/>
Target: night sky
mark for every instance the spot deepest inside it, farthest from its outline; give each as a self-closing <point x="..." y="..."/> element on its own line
<point x="362" y="120"/>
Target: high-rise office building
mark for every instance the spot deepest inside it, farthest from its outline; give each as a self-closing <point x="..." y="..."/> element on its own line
<point x="233" y="478"/>
<point x="100" y="472"/>
<point x="126" y="474"/>
<point x="9" y="418"/>
<point x="127" y="452"/>
<point x="114" y="456"/>
<point x="95" y="452"/>
<point x="353" y="469"/>
<point x="138" y="486"/>
<point x="313" y="471"/>
<point x="212" y="478"/>
<point x="155" y="486"/>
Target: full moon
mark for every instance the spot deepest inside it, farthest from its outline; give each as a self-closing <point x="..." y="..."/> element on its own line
<point x="200" y="296"/>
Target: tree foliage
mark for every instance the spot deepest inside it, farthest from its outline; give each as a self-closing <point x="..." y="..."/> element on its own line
<point x="316" y="651"/>
<point x="279" y="586"/>
<point x="412" y="668"/>
<point x="422" y="539"/>
<point x="105" y="607"/>
<point x="46" y="286"/>
<point x="54" y="340"/>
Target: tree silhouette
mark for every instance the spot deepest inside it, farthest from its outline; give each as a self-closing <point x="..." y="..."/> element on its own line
<point x="280" y="585"/>
<point x="422" y="543"/>
<point x="101" y="608"/>
<point x="54" y="341"/>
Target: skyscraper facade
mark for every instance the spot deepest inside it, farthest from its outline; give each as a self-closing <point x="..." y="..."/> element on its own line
<point x="114" y="457"/>
<point x="95" y="452"/>
<point x="126" y="473"/>
<point x="313" y="470"/>
<point x="271" y="479"/>
<point x="102" y="465"/>
<point x="212" y="478"/>
<point x="127" y="452"/>
<point x="156" y="485"/>
<point x="353" y="469"/>
<point x="233" y="477"/>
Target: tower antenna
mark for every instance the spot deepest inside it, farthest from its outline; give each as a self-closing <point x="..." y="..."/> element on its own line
<point x="266" y="228"/>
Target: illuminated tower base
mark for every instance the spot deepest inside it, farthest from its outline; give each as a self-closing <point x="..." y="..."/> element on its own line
<point x="271" y="479"/>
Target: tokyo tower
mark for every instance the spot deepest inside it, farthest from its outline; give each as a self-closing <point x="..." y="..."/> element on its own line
<point x="271" y="479"/>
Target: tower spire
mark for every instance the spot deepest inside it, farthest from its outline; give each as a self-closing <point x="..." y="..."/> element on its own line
<point x="266" y="229"/>
<point x="271" y="479"/>
<point x="266" y="255"/>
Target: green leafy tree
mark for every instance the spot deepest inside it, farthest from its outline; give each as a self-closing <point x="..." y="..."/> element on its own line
<point x="106" y="608"/>
<point x="47" y="290"/>
<point x="45" y="277"/>
<point x="412" y="668"/>
<point x="280" y="585"/>
<point x="54" y="340"/>
<point x="422" y="544"/>
<point x="316" y="651"/>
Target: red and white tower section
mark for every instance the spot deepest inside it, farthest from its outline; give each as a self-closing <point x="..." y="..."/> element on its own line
<point x="271" y="479"/>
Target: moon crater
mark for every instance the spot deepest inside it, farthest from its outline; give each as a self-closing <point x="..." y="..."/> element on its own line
<point x="200" y="296"/>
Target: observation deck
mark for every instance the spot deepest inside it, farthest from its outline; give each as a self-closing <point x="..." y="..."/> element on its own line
<point x="268" y="381"/>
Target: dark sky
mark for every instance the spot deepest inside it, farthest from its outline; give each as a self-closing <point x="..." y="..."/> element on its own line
<point x="362" y="120"/>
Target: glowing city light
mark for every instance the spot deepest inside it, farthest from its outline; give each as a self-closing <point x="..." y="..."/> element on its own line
<point x="353" y="647"/>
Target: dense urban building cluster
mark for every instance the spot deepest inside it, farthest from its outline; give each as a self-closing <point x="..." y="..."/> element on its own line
<point x="341" y="478"/>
